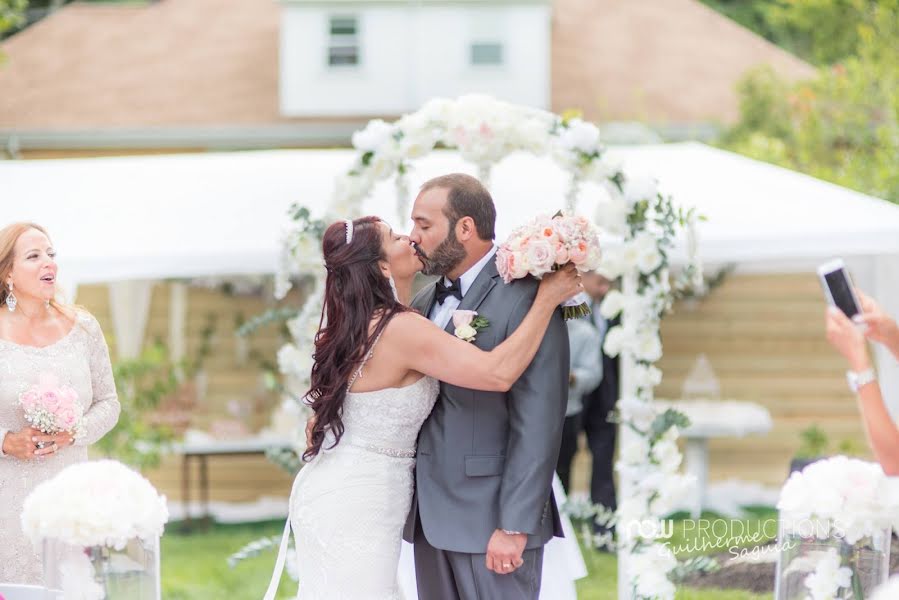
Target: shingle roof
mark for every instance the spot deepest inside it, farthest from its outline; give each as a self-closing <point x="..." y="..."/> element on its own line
<point x="200" y="63"/>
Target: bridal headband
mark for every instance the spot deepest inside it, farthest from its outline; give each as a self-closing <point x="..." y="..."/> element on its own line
<point x="349" y="231"/>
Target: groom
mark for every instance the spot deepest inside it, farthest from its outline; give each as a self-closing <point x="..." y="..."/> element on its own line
<point x="483" y="506"/>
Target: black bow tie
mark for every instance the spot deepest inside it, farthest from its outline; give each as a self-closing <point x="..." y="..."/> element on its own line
<point x="444" y="291"/>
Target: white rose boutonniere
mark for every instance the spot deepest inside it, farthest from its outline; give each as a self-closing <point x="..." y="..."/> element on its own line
<point x="468" y="324"/>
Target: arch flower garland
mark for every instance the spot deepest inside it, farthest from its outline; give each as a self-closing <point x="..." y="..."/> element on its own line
<point x="484" y="131"/>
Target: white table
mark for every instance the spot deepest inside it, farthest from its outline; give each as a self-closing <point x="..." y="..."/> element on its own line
<point x="714" y="419"/>
<point x="201" y="447"/>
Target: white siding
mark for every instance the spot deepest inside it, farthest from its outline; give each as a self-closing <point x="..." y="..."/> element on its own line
<point x="411" y="54"/>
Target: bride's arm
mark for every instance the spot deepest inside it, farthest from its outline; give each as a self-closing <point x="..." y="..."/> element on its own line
<point x="432" y="351"/>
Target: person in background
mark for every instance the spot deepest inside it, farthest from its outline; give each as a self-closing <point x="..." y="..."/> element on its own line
<point x="851" y="341"/>
<point x="585" y="374"/>
<point x="600" y="402"/>
<point x="41" y="338"/>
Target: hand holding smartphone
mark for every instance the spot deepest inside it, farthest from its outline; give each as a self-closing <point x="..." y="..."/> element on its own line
<point x="839" y="289"/>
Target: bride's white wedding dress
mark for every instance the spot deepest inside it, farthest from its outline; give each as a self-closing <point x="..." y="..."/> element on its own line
<point x="349" y="504"/>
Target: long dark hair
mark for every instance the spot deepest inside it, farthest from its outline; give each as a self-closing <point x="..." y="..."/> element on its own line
<point x="356" y="291"/>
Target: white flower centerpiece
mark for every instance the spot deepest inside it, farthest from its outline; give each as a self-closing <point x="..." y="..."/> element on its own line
<point x="99" y="525"/>
<point x="836" y="518"/>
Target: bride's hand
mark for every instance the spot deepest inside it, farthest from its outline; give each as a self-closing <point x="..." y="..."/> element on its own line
<point x="559" y="286"/>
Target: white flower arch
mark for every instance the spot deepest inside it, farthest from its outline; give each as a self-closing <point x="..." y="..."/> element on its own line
<point x="484" y="131"/>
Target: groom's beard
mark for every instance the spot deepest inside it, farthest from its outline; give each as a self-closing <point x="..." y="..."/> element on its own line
<point x="445" y="257"/>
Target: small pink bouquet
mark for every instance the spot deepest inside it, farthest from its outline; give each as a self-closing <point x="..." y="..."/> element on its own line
<point x="52" y="408"/>
<point x="546" y="244"/>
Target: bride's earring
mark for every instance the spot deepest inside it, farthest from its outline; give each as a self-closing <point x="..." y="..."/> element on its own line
<point x="11" y="300"/>
<point x="396" y="295"/>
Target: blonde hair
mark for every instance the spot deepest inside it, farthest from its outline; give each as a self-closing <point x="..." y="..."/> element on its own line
<point x="9" y="235"/>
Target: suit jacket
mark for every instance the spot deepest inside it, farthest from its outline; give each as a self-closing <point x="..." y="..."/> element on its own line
<point x="486" y="460"/>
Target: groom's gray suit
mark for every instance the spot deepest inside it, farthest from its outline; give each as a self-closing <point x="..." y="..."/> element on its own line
<point x="486" y="459"/>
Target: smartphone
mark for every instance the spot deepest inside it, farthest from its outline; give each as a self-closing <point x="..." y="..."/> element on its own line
<point x="838" y="287"/>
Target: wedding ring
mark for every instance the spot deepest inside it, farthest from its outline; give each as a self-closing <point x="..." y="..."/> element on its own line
<point x="506" y="565"/>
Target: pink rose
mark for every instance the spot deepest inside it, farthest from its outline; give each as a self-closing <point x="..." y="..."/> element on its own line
<point x="28" y="400"/>
<point x="561" y="253"/>
<point x="50" y="400"/>
<point x="504" y="263"/>
<point x="578" y="253"/>
<point x="517" y="266"/>
<point x="69" y="396"/>
<point x="462" y="318"/>
<point x="540" y="256"/>
<point x="66" y="418"/>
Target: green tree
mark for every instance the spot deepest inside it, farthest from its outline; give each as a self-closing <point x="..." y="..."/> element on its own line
<point x="12" y="14"/>
<point x="842" y="125"/>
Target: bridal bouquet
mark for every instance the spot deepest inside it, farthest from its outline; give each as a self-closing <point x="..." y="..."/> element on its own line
<point x="546" y="244"/>
<point x="52" y="408"/>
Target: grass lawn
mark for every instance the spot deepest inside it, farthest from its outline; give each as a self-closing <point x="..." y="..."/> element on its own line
<point x="194" y="567"/>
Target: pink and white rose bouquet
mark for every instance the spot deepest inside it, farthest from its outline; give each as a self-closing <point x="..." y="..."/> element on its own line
<point x="546" y="244"/>
<point x="52" y="408"/>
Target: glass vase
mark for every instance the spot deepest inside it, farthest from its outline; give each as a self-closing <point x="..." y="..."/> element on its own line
<point x="102" y="572"/>
<point x="809" y="563"/>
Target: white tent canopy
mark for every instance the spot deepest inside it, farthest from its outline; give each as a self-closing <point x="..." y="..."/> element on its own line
<point x="152" y="217"/>
<point x="209" y="214"/>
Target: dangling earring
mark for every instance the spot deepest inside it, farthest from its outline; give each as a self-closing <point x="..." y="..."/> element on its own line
<point x="11" y="300"/>
<point x="396" y="295"/>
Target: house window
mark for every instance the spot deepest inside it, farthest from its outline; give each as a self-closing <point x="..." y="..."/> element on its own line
<point x="343" y="41"/>
<point x="486" y="53"/>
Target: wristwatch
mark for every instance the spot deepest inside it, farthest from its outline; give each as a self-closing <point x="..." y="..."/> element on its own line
<point x="510" y="532"/>
<point x="3" y="433"/>
<point x="857" y="380"/>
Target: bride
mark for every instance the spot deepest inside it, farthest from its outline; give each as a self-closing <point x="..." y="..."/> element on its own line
<point x="374" y="382"/>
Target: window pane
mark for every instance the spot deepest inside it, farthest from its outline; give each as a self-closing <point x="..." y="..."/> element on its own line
<point x="486" y="54"/>
<point x="343" y="25"/>
<point x="343" y="55"/>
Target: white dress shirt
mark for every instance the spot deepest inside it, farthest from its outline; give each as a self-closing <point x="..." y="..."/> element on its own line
<point x="442" y="313"/>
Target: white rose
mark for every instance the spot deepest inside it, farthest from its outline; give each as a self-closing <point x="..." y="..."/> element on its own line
<point x="466" y="333"/>
<point x="611" y="214"/>
<point x="580" y="136"/>
<point x="635" y="450"/>
<point x="541" y="256"/>
<point x="648" y="347"/>
<point x="612" y="304"/>
<point x="640" y="186"/>
<point x="666" y="454"/>
<point x="639" y="412"/>
<point x="375" y="134"/>
<point x="614" y="342"/>
<point x="648" y="260"/>
<point x="646" y="376"/>
<point x="612" y="264"/>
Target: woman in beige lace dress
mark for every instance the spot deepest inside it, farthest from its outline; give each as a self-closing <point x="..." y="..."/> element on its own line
<point x="40" y="337"/>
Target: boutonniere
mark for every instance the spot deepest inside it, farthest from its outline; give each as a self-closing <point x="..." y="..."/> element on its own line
<point x="468" y="324"/>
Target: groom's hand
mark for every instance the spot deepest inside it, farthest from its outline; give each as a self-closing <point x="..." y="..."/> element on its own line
<point x="504" y="551"/>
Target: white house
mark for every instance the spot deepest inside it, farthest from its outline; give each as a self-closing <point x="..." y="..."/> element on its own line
<point x="369" y="57"/>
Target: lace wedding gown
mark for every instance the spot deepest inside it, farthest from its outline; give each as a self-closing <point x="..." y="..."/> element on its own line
<point x="80" y="360"/>
<point x="349" y="504"/>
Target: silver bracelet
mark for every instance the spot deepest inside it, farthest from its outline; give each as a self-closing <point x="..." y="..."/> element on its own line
<point x="510" y="532"/>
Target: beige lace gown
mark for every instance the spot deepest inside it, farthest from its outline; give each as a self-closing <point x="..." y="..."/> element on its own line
<point x="80" y="360"/>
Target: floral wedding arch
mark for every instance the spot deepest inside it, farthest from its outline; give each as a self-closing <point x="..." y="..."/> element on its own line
<point x="643" y="221"/>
